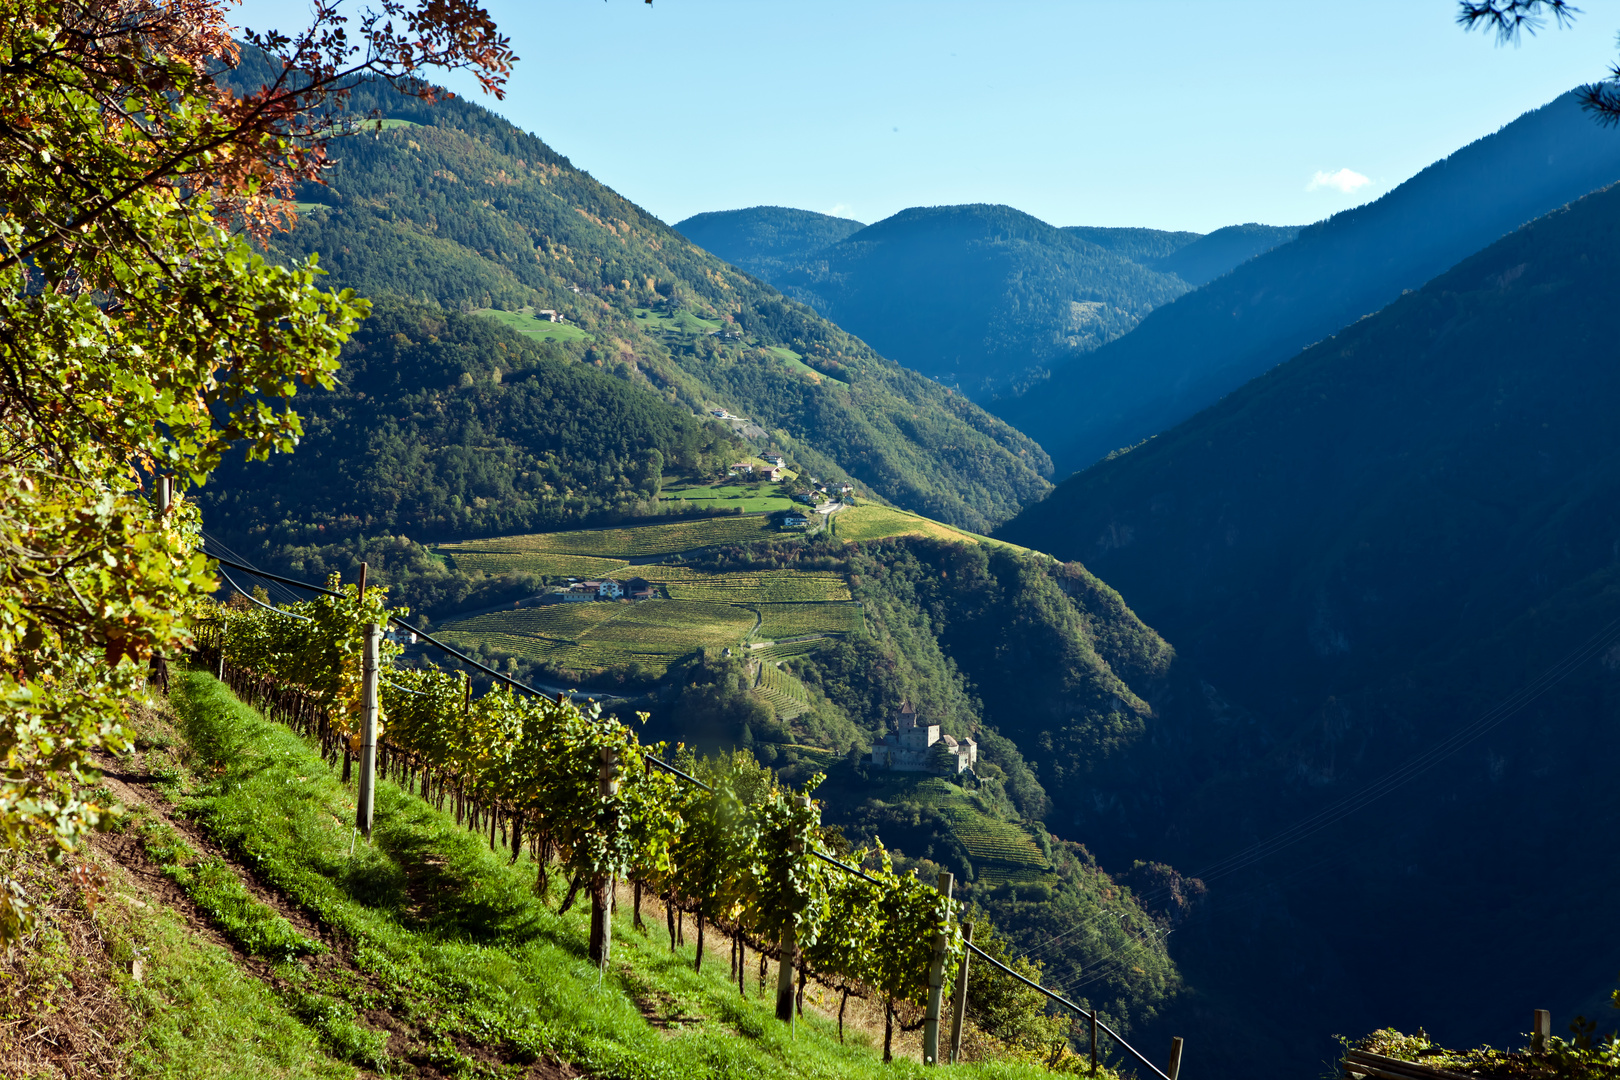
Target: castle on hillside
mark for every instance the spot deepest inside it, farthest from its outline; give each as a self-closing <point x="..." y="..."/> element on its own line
<point x="921" y="748"/>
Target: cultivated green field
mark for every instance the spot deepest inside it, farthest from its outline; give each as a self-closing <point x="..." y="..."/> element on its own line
<point x="785" y="694"/>
<point x="792" y="620"/>
<point x="668" y="538"/>
<point x="756" y="587"/>
<point x="787" y="649"/>
<point x="524" y="321"/>
<point x="586" y="636"/>
<point x="534" y="562"/>
<point x="1000" y="850"/>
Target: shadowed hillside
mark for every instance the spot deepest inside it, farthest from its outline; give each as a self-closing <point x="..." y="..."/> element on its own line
<point x="1185" y="356"/>
<point x="1376" y="544"/>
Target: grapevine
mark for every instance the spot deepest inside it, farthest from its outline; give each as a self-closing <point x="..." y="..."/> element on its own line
<point x="735" y="847"/>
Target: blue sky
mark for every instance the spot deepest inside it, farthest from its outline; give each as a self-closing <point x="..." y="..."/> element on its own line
<point x="1173" y="114"/>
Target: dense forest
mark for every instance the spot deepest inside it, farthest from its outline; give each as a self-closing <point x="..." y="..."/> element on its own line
<point x="450" y="205"/>
<point x="1185" y="356"/>
<point x="1400" y="543"/>
<point x="449" y="425"/>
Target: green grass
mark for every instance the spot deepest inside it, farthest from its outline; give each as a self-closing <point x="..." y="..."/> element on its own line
<point x="653" y="633"/>
<point x="200" y="1016"/>
<point x="524" y="321"/>
<point x="729" y="496"/>
<point x="210" y="883"/>
<point x="792" y="620"/>
<point x="682" y="322"/>
<point x="873" y="522"/>
<point x="669" y="538"/>
<point x="450" y="941"/>
<point x="796" y="363"/>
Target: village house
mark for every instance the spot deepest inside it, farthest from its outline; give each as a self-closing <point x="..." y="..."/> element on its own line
<point x="548" y="315"/>
<point x="921" y="748"/>
<point x="795" y="521"/>
<point x="609" y="590"/>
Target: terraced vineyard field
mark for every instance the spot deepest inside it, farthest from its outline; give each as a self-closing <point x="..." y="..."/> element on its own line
<point x="539" y="562"/>
<point x="654" y="633"/>
<point x="792" y="620"/>
<point x="787" y="649"/>
<point x="667" y="538"/>
<point x="992" y="841"/>
<point x="1004" y="848"/>
<point x="785" y="694"/>
<point x="763" y="587"/>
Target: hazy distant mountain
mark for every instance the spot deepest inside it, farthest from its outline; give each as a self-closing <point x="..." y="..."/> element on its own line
<point x="766" y="241"/>
<point x="1185" y="356"/>
<point x="1371" y="546"/>
<point x="979" y="297"/>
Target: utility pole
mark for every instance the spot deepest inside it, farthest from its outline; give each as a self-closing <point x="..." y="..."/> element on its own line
<point x="936" y="982"/>
<point x="959" y="1004"/>
<point x="601" y="884"/>
<point x="787" y="954"/>
<point x="368" y="731"/>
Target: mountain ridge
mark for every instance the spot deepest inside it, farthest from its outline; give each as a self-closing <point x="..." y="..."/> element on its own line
<point x="1185" y="355"/>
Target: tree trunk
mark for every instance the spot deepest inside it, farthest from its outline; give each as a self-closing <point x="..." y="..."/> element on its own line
<point x="804" y="970"/>
<point x="669" y="915"/>
<point x="573" y="891"/>
<point x="742" y="966"/>
<point x="888" y="1029"/>
<point x="601" y="921"/>
<point x="636" y="922"/>
<point x="764" y="960"/>
<point x="697" y="964"/>
<point x="841" y="1004"/>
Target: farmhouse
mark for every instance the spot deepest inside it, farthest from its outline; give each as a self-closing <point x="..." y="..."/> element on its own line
<point x="609" y="590"/>
<point x="920" y="748"/>
<point x="795" y="521"/>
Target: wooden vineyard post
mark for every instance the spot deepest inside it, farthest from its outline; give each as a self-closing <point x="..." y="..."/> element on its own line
<point x="1541" y="1031"/>
<point x="936" y="982"/>
<point x="959" y="1002"/>
<point x="368" y="732"/>
<point x="784" y="957"/>
<point x="1175" y="1058"/>
<point x="1093" y="1040"/>
<point x="602" y="884"/>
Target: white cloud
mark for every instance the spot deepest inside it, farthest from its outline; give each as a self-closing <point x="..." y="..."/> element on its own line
<point x="1345" y="180"/>
<point x="841" y="210"/>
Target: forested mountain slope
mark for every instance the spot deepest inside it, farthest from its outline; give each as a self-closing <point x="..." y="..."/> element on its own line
<point x="453" y="205"/>
<point x="766" y="241"/>
<point x="1376" y="544"/>
<point x="978" y="297"/>
<point x="1185" y="356"/>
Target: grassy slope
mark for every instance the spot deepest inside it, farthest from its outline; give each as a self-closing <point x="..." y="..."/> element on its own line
<point x="445" y="939"/>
